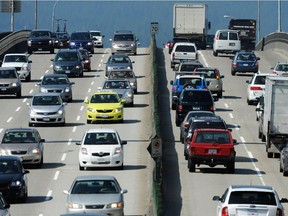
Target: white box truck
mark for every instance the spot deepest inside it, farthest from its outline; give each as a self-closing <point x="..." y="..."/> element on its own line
<point x="273" y="127"/>
<point x="190" y="21"/>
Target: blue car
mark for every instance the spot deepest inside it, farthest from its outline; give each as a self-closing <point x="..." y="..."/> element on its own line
<point x="82" y="40"/>
<point x="244" y="62"/>
<point x="189" y="81"/>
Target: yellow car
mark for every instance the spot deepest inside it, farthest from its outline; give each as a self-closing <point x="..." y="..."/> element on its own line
<point x="104" y="106"/>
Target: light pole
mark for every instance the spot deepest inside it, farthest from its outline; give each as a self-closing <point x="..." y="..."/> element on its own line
<point x="259" y="36"/>
<point x="279" y="16"/>
<point x="53" y="14"/>
<point x="35" y="17"/>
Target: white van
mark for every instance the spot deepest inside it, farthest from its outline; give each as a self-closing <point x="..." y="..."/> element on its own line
<point x="226" y="41"/>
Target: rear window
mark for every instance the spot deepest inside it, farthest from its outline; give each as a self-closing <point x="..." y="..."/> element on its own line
<point x="196" y="81"/>
<point x="189" y="67"/>
<point x="208" y="124"/>
<point x="197" y="96"/>
<point x="252" y="197"/>
<point x="206" y="73"/>
<point x="260" y="80"/>
<point x="223" y="36"/>
<point x="212" y="137"/>
<point x="282" y="67"/>
<point x="233" y="36"/>
<point x="185" y="48"/>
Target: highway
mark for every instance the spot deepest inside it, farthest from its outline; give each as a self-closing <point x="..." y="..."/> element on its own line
<point x="186" y="194"/>
<point x="46" y="185"/>
<point x="190" y="194"/>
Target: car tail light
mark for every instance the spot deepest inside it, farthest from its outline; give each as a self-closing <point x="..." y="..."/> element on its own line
<point x="171" y="45"/>
<point x="186" y="125"/>
<point x="192" y="149"/>
<point x="217" y="74"/>
<point x="180" y="108"/>
<point x="234" y="64"/>
<point x="225" y="211"/>
<point x="255" y="88"/>
<point x="279" y="212"/>
<point x="232" y="152"/>
<point x="211" y="108"/>
<point x="274" y="72"/>
<point x="174" y="88"/>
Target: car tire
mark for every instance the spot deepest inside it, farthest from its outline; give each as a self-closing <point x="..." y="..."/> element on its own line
<point x="215" y="53"/>
<point x="135" y="91"/>
<point x="89" y="121"/>
<point x="173" y="106"/>
<point x="185" y="155"/>
<point x="121" y="167"/>
<point x="80" y="167"/>
<point x="259" y="134"/>
<point x="249" y="102"/>
<point x="270" y="154"/>
<point x="263" y="138"/>
<point x="29" y="51"/>
<point x="220" y="94"/>
<point x="52" y="51"/>
<point x="191" y="166"/>
<point x="19" y="94"/>
<point x="233" y="73"/>
<point x="30" y="124"/>
<point x="172" y="65"/>
<point x="231" y="167"/>
<point x="28" y="78"/>
<point x="81" y="74"/>
<point x="89" y="69"/>
<point x="280" y="168"/>
<point x="92" y="51"/>
<point x="285" y="172"/>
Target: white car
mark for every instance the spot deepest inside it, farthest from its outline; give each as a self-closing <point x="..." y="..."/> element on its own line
<point x="101" y="147"/>
<point x="280" y="68"/>
<point x="19" y="61"/>
<point x="183" y="51"/>
<point x="97" y="38"/>
<point x="256" y="87"/>
<point x="249" y="200"/>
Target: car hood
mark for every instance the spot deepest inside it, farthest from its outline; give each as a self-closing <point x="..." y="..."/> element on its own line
<point x="60" y="86"/>
<point x="124" y="42"/>
<point x="106" y="106"/>
<point x="6" y="178"/>
<point x="19" y="146"/>
<point x="15" y="64"/>
<point x="94" y="198"/>
<point x="46" y="108"/>
<point x="8" y="80"/>
<point x="67" y="63"/>
<point x="101" y="147"/>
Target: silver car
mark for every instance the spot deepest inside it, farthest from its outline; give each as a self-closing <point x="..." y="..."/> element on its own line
<point x="124" y="42"/>
<point x="10" y="83"/>
<point x="47" y="108"/>
<point x="123" y="88"/>
<point x="25" y="143"/>
<point x="97" y="194"/>
<point x="58" y="83"/>
<point x="124" y="74"/>
<point x="118" y="61"/>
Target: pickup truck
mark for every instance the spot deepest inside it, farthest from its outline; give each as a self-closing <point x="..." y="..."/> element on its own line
<point x="183" y="51"/>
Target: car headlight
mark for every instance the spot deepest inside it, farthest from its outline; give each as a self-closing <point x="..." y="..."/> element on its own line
<point x="57" y="67"/>
<point x="24" y="68"/>
<point x="127" y="94"/>
<point x="132" y="84"/>
<point x="14" y="84"/>
<point x="118" y="109"/>
<point x="50" y="41"/>
<point x="78" y="66"/>
<point x="67" y="89"/>
<point x="72" y="43"/>
<point x="60" y="112"/>
<point x="128" y="67"/>
<point x="16" y="183"/>
<point x="36" y="151"/>
<point x="84" y="151"/>
<point x="117" y="150"/>
<point x="74" y="206"/>
<point x="91" y="110"/>
<point x="109" y="68"/>
<point x="43" y="90"/>
<point x="132" y="45"/>
<point x="29" y="42"/>
<point x="89" y="43"/>
<point x="115" y="205"/>
<point x="33" y="112"/>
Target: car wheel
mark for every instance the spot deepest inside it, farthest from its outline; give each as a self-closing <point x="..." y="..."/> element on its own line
<point x="285" y="172"/>
<point x="89" y="121"/>
<point x="30" y="124"/>
<point x="80" y="167"/>
<point x="173" y="106"/>
<point x="231" y="167"/>
<point x="177" y="122"/>
<point x="270" y="154"/>
<point x="81" y="74"/>
<point x="191" y="166"/>
<point x="28" y="78"/>
<point x="233" y="72"/>
<point x="70" y="99"/>
<point x="121" y="167"/>
<point x="249" y="102"/>
<point x="135" y="53"/>
<point x="29" y="51"/>
<point x="172" y="65"/>
<point x="92" y="51"/>
<point x="18" y="94"/>
<point x="52" y="51"/>
<point x="135" y="91"/>
<point x="259" y="134"/>
<point x="89" y="69"/>
<point x="220" y="94"/>
<point x="280" y="168"/>
<point x="185" y="155"/>
<point x="215" y="53"/>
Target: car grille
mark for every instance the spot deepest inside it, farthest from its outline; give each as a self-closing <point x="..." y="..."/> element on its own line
<point x="55" y="90"/>
<point x="46" y="113"/>
<point x="101" y="155"/>
<point x="67" y="67"/>
<point x="4" y="85"/>
<point x="81" y="44"/>
<point x="4" y="186"/>
<point x="18" y="152"/>
<point x="105" y="111"/>
<point x="94" y="206"/>
<point x="18" y="68"/>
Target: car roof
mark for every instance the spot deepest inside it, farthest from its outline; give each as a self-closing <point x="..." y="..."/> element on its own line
<point x="10" y="157"/>
<point x="212" y="129"/>
<point x="245" y="52"/>
<point x="55" y="75"/>
<point x="46" y="94"/>
<point x="185" y="43"/>
<point x="105" y="92"/>
<point x="94" y="177"/>
<point x="207" y="119"/>
<point x="19" y="129"/>
<point x="101" y="130"/>
<point x="251" y="187"/>
<point x="11" y="54"/>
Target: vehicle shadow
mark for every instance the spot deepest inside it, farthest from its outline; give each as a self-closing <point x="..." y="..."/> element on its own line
<point x="140" y="105"/>
<point x="125" y="167"/>
<point x="171" y="185"/>
<point x="222" y="170"/>
<point x="231" y="97"/>
<point x="242" y="159"/>
<point x="223" y="110"/>
<point x="142" y="93"/>
<point x="31" y="199"/>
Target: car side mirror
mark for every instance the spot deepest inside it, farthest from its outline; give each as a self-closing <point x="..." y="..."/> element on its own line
<point x="284" y="200"/>
<point x="207" y="83"/>
<point x="86" y="101"/>
<point x="124" y="191"/>
<point x="216" y="198"/>
<point x="65" y="192"/>
<point x="52" y="59"/>
<point x="72" y="83"/>
<point x="222" y="76"/>
<point x="123" y="142"/>
<point x="26" y="172"/>
<point x="258" y="58"/>
<point x="234" y="141"/>
<point x="29" y="61"/>
<point x="171" y="82"/>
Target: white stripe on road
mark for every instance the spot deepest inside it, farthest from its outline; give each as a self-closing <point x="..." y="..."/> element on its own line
<point x="9" y="119"/>
<point x="18" y="108"/>
<point x="231" y="115"/>
<point x="63" y="157"/>
<point x="56" y="175"/>
<point x="48" y="196"/>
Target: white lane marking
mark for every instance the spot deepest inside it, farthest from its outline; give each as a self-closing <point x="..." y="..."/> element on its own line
<point x="9" y="119"/>
<point x="231" y="115"/>
<point x="99" y="65"/>
<point x="69" y="142"/>
<point x="24" y="100"/>
<point x="1" y="129"/>
<point x="18" y="108"/>
<point x="250" y="155"/>
<point x="82" y="107"/>
<point x="92" y="83"/>
<point x="51" y="65"/>
<point x="103" y="56"/>
<point x="41" y="77"/>
<point x="56" y="175"/>
<point x="41" y="215"/>
<point x="48" y="196"/>
<point x="63" y="157"/>
<point x="204" y="59"/>
<point x="101" y="60"/>
<point x="226" y="105"/>
<point x="89" y="90"/>
<point x="74" y="129"/>
<point x="46" y="71"/>
<point x="78" y="118"/>
<point x="31" y="91"/>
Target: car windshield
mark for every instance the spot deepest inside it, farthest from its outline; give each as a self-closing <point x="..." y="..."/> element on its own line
<point x="46" y="100"/>
<point x="55" y="81"/>
<point x="42" y="34"/>
<point x="121" y="74"/>
<point x="185" y="48"/>
<point x="100" y="139"/>
<point x="15" y="58"/>
<point x="80" y="36"/>
<point x="10" y="167"/>
<point x="19" y="137"/>
<point x="116" y="85"/>
<point x="95" y="187"/>
<point x="212" y="137"/>
<point x="84" y="53"/>
<point x="105" y="98"/>
<point x="118" y="60"/>
<point x="123" y="37"/>
<point x="67" y="56"/>
<point x="7" y="74"/>
<point x="252" y="197"/>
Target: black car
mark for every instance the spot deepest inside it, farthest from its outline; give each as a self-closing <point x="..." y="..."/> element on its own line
<point x="193" y="100"/>
<point x="244" y="62"/>
<point x="40" y="40"/>
<point x="13" y="178"/>
<point x="68" y="61"/>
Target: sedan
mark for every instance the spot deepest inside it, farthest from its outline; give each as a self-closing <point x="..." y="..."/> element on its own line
<point x="123" y="88"/>
<point x="101" y="148"/>
<point x="58" y="83"/>
<point x="124" y="74"/>
<point x="250" y="200"/>
<point x="244" y="62"/>
<point x="118" y="61"/>
<point x="13" y="178"/>
<point x="97" y="194"/>
<point x="47" y="108"/>
<point x="280" y="68"/>
<point x="25" y="143"/>
<point x="10" y="83"/>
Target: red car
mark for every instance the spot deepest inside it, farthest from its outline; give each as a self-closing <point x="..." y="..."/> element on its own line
<point x="87" y="59"/>
<point x="212" y="147"/>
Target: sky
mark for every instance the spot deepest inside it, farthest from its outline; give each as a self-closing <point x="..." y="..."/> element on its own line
<point x="109" y="16"/>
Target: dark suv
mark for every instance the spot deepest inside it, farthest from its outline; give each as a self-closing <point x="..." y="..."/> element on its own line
<point x="82" y="40"/>
<point x="193" y="99"/>
<point x="40" y="40"/>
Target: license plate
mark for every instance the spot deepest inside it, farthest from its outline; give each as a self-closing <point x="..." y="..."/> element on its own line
<point x="46" y="119"/>
<point x="67" y="71"/>
<point x="104" y="116"/>
<point x="99" y="160"/>
<point x="196" y="108"/>
<point x="3" y="89"/>
<point x="40" y="49"/>
<point x="231" y="44"/>
<point x="212" y="151"/>
<point x="245" y="65"/>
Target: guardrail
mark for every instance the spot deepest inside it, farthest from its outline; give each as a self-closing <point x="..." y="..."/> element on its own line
<point x="277" y="41"/>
